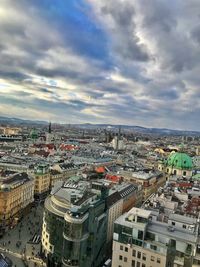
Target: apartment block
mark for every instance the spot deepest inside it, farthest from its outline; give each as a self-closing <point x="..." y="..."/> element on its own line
<point x="142" y="239"/>
<point x="16" y="195"/>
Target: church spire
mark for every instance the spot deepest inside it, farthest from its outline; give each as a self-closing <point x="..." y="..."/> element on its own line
<point x="50" y="127"/>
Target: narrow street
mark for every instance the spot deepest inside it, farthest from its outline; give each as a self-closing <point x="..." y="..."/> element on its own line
<point x="13" y="243"/>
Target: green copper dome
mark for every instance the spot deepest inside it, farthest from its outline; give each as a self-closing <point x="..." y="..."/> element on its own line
<point x="179" y="160"/>
<point x="34" y="134"/>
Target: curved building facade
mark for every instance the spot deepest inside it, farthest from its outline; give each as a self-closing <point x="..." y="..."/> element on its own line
<point x="74" y="227"/>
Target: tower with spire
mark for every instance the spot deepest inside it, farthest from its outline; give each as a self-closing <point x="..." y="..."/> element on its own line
<point x="49" y="127"/>
<point x="117" y="142"/>
<point x="49" y="135"/>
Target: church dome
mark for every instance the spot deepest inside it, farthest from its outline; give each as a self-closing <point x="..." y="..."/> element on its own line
<point x="179" y="160"/>
<point x="34" y="134"/>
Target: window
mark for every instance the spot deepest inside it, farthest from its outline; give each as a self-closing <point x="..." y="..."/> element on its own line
<point x="144" y="257"/>
<point x="133" y="253"/>
<point x="143" y="265"/>
<point x="139" y="255"/>
<point x="158" y="260"/>
<point x="50" y="247"/>
<point x="133" y="263"/>
<point x="152" y="258"/>
<point x="173" y="223"/>
<point x="120" y="257"/>
<point x="184" y="226"/>
<point x="138" y="264"/>
<point x="150" y="236"/>
<point x="141" y="219"/>
<point x="184" y="173"/>
<point x="140" y="235"/>
<point x="153" y="247"/>
<point x="125" y="259"/>
<point x="127" y="230"/>
<point x="126" y="249"/>
<point x="174" y="172"/>
<point x="121" y="247"/>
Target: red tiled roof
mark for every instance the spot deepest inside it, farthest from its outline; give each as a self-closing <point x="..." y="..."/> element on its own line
<point x="100" y="169"/>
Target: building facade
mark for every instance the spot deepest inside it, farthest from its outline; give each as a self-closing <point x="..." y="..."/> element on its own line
<point x="150" y="181"/>
<point x="16" y="195"/>
<point x="142" y="239"/>
<point x="75" y="226"/>
<point x="42" y="181"/>
<point x="178" y="164"/>
<point x="79" y="217"/>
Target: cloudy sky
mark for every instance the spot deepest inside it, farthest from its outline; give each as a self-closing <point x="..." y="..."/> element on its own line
<point x="131" y="62"/>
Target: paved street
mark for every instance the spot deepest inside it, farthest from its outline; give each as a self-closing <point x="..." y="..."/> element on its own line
<point x="14" y="242"/>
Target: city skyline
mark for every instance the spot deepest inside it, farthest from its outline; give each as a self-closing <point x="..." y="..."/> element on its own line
<point x="114" y="62"/>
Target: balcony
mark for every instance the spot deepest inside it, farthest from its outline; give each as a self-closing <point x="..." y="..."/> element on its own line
<point x="179" y="261"/>
<point x="197" y="256"/>
<point x="155" y="246"/>
<point x="70" y="263"/>
<point x="188" y="251"/>
<point x="73" y="239"/>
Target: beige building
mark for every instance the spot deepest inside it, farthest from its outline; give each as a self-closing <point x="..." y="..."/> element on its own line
<point x="55" y="176"/>
<point x="67" y="169"/>
<point x="142" y="239"/>
<point x="115" y="207"/>
<point x="42" y="181"/>
<point x="198" y="151"/>
<point x="128" y="257"/>
<point x="10" y="130"/>
<point x="150" y="181"/>
<point x="16" y="195"/>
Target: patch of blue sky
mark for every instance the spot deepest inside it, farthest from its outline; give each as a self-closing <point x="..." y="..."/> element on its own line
<point x="78" y="29"/>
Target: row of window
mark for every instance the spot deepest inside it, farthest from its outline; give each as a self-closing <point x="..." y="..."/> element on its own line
<point x="175" y="172"/>
<point x="136" y="264"/>
<point x="139" y="256"/>
<point x="183" y="226"/>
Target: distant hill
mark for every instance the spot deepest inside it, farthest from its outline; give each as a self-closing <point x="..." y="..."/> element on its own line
<point x="138" y="129"/>
<point x="17" y="121"/>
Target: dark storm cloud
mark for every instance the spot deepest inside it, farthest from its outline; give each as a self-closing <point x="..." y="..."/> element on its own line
<point x="195" y="34"/>
<point x="166" y="24"/>
<point x="16" y="76"/>
<point x="159" y="14"/>
<point x="168" y="94"/>
<point x="126" y="43"/>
